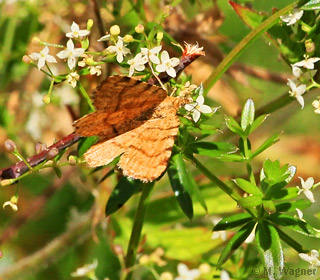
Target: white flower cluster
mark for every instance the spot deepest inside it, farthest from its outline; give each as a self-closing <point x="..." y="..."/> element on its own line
<point x="297" y="89"/>
<point x="70" y="53"/>
<point x="119" y="49"/>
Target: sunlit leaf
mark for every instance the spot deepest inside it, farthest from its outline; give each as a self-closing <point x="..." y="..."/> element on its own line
<point x="250" y="201"/>
<point x="212" y="149"/>
<point x="265" y="145"/>
<point x="268" y="243"/>
<point x="247" y="116"/>
<point x="235" y="242"/>
<point x="232" y="221"/>
<point x="248" y="187"/>
<point x="294" y="224"/>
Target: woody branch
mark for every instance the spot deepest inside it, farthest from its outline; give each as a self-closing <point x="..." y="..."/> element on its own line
<point x="190" y="53"/>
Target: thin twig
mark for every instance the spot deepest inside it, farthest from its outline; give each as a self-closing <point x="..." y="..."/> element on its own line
<point x="190" y="54"/>
<point x="78" y="232"/>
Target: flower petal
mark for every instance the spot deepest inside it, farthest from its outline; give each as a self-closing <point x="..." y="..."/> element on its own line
<point x="196" y="115"/>
<point x="171" y="72"/>
<point x="190" y="106"/>
<point x="62" y="54"/>
<point x="205" y="109"/>
<point x="164" y="56"/>
<point x="309" y="195"/>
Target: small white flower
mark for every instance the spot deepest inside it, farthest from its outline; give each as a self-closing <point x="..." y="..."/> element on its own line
<point x="71" y="54"/>
<point x="307" y="63"/>
<point x="313" y="258"/>
<point x="76" y="32"/>
<point x="119" y="49"/>
<point x="297" y="91"/>
<point x="296" y="71"/>
<point x="293" y="17"/>
<point x="186" y="274"/>
<point x="152" y="54"/>
<point x="167" y="64"/>
<point x="316" y="106"/>
<point x="305" y="188"/>
<point x="299" y="213"/>
<point x="224" y="275"/>
<point x="95" y="70"/>
<point x="137" y="63"/>
<point x="86" y="270"/>
<point x="43" y="57"/>
<point x="72" y="79"/>
<point x="198" y="107"/>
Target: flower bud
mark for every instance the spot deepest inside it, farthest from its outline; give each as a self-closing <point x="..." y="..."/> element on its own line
<point x="52" y="153"/>
<point x="73" y="160"/>
<point x="115" y="30"/>
<point x="128" y="39"/>
<point x="204" y="268"/>
<point x="26" y="59"/>
<point x="36" y="41"/>
<point x="310" y="47"/>
<point x="6" y="182"/>
<point x="144" y="259"/>
<point x="159" y="36"/>
<point x="40" y="147"/>
<point x="10" y="146"/>
<point x="166" y="11"/>
<point x="89" y="24"/>
<point x="139" y="28"/>
<point x="46" y="99"/>
<point x="166" y="276"/>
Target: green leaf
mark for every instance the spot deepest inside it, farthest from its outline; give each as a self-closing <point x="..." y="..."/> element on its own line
<point x="291" y="206"/>
<point x="180" y="179"/>
<point x="248" y="16"/>
<point x="265" y="145"/>
<point x="57" y="170"/>
<point x="247" y="116"/>
<point x="272" y="173"/>
<point x="250" y="201"/>
<point x="212" y="149"/>
<point x="291" y="242"/>
<point x="85" y="144"/>
<point x="202" y="130"/>
<point x="283" y="194"/>
<point x="268" y="244"/>
<point x="235" y="242"/>
<point x="248" y="187"/>
<point x="257" y="122"/>
<point x="269" y="206"/>
<point x="232" y="158"/>
<point x="232" y="221"/>
<point x="234" y="126"/>
<point x="121" y="193"/>
<point x="294" y="224"/>
<point x="311" y="5"/>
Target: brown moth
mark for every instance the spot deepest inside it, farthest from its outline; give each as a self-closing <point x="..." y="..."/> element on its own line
<point x="135" y="120"/>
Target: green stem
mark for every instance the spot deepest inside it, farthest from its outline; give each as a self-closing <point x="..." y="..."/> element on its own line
<point x="245" y="42"/>
<point x="236" y="197"/>
<point x="216" y="180"/>
<point x="137" y="228"/>
<point x="247" y="154"/>
<point x="86" y="96"/>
